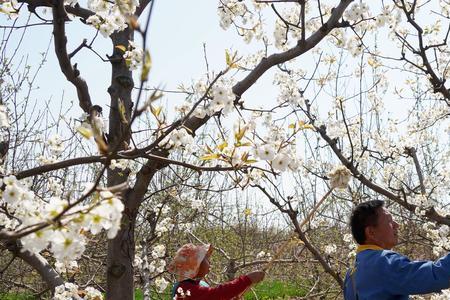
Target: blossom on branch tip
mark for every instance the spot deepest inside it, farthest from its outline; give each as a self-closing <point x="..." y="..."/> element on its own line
<point x="67" y="245"/>
<point x="222" y="99"/>
<point x="181" y="137"/>
<point x="158" y="251"/>
<point x="133" y="56"/>
<point x="340" y="176"/>
<point x="3" y="117"/>
<point x="265" y="151"/>
<point x="280" y="162"/>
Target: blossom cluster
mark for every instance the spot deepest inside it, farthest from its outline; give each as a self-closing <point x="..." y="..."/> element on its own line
<point x="178" y="139"/>
<point x="55" y="147"/>
<point x="330" y="249"/>
<point x="439" y="236"/>
<point x="289" y="89"/>
<point x="66" y="267"/>
<point x="280" y="159"/>
<point x="239" y="13"/>
<point x="357" y="12"/>
<point x="120" y="164"/>
<point x="9" y="8"/>
<point x="111" y="16"/>
<point x="221" y="100"/>
<point x="156" y="267"/>
<point x="340" y="176"/>
<point x="68" y="239"/>
<point x="72" y="291"/>
<point x="133" y="56"/>
<point x="276" y="147"/>
<point x="263" y="254"/>
<point x="283" y="33"/>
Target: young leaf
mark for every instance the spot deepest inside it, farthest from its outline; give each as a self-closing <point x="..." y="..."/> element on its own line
<point x="155" y="110"/>
<point x="222" y="146"/>
<point x="122" y="112"/>
<point x="85" y="131"/>
<point x="147" y="66"/>
<point x="121" y="48"/>
<point x="210" y="156"/>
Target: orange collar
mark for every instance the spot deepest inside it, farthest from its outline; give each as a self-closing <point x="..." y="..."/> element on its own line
<point x="367" y="247"/>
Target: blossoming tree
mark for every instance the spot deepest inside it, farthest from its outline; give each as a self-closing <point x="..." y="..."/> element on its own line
<point x="334" y="79"/>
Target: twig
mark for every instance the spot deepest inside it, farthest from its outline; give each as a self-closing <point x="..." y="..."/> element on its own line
<point x="306" y="220"/>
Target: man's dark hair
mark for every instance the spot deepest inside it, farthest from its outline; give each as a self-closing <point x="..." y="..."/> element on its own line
<point x="365" y="214"/>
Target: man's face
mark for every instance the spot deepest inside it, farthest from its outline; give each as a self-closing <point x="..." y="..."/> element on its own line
<point x="385" y="233"/>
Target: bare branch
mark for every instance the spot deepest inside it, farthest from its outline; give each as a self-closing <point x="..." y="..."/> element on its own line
<point x="71" y="72"/>
<point x="413" y="153"/>
<point x="35" y="260"/>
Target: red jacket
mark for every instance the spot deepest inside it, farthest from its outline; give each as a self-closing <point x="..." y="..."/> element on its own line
<point x="191" y="289"/>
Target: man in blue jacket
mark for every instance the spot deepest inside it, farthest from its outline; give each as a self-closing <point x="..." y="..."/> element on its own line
<point x="382" y="274"/>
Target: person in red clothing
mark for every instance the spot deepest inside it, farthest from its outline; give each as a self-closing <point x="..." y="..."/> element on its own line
<point x="191" y="264"/>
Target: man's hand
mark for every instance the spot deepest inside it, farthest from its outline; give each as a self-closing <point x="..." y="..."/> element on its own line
<point x="256" y="276"/>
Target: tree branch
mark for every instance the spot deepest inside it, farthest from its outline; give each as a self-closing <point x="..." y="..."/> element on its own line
<point x="431" y="213"/>
<point x="36" y="261"/>
<point x="314" y="251"/>
<point x="413" y="153"/>
<point x="302" y="47"/>
<point x="71" y="72"/>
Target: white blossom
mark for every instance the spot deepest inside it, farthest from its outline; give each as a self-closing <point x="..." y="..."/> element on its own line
<point x="3" y="115"/>
<point x="181" y="137"/>
<point x="161" y="284"/>
<point x="330" y="249"/>
<point x="340" y="176"/>
<point x="265" y="151"/>
<point x="134" y="56"/>
<point x="280" y="162"/>
<point x="158" y="251"/>
<point x="37" y="241"/>
<point x="67" y="245"/>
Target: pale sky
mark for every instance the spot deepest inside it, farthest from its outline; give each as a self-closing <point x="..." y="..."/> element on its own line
<point x="178" y="31"/>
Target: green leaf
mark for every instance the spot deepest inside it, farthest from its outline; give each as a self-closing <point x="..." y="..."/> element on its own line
<point x="210" y="156"/>
<point x="230" y="59"/>
<point x="155" y="110"/>
<point x="222" y="146"/>
<point x="85" y="131"/>
<point x="122" y="112"/>
<point x="147" y="66"/>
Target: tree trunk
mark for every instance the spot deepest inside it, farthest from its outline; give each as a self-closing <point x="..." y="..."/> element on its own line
<point x="120" y="256"/>
<point x="120" y="274"/>
<point x="120" y="285"/>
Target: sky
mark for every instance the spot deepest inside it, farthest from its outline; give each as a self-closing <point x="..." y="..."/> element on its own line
<point x="178" y="32"/>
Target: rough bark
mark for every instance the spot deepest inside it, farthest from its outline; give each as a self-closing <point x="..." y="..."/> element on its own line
<point x="121" y="249"/>
<point x="120" y="256"/>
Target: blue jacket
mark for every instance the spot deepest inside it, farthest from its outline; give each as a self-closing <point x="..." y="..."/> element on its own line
<point x="386" y="275"/>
